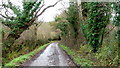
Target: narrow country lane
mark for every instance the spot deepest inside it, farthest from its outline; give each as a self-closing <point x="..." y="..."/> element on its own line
<point x="52" y="56"/>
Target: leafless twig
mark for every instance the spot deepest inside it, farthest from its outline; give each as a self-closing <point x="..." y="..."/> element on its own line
<point x="47" y="8"/>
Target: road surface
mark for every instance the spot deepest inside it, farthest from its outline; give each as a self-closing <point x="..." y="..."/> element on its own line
<point x="52" y="56"/>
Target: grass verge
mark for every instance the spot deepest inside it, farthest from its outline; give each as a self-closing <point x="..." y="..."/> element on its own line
<point x="76" y="58"/>
<point x="23" y="58"/>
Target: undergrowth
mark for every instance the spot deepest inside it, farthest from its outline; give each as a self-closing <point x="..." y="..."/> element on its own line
<point x="107" y="55"/>
<point x="23" y="58"/>
<point x="77" y="59"/>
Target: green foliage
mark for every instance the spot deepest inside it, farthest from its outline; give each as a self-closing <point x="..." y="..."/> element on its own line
<point x="96" y="28"/>
<point x="62" y="24"/>
<point x="73" y="18"/>
<point x="19" y="22"/>
<point x="72" y="21"/>
<point x="21" y="59"/>
<point x="97" y="20"/>
<point x="77" y="59"/>
<point x="63" y="27"/>
<point x="22" y="18"/>
<point x="86" y="49"/>
<point x="109" y="51"/>
<point x="70" y="26"/>
<point x="28" y="41"/>
<point x="85" y="9"/>
<point x="116" y="7"/>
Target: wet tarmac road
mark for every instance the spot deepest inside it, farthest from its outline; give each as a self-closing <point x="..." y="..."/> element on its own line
<point x="52" y="56"/>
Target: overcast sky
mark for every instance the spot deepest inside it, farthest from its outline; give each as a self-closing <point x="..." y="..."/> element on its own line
<point x="50" y="13"/>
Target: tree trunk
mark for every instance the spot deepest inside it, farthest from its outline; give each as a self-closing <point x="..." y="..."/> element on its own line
<point x="82" y="37"/>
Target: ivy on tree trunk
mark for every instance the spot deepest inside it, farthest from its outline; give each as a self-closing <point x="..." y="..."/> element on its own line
<point x="97" y="20"/>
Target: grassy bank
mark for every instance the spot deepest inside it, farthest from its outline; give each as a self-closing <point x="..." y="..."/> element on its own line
<point x="23" y="58"/>
<point x="77" y="59"/>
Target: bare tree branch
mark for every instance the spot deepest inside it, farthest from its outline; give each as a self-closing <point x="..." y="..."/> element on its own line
<point x="6" y="12"/>
<point x="6" y="7"/>
<point x="11" y="18"/>
<point x="47" y="8"/>
<point x="39" y="9"/>
<point x="3" y="16"/>
<point x="34" y="18"/>
<point x="6" y="15"/>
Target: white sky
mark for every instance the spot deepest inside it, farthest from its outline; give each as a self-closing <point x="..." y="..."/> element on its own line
<point x="50" y="13"/>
